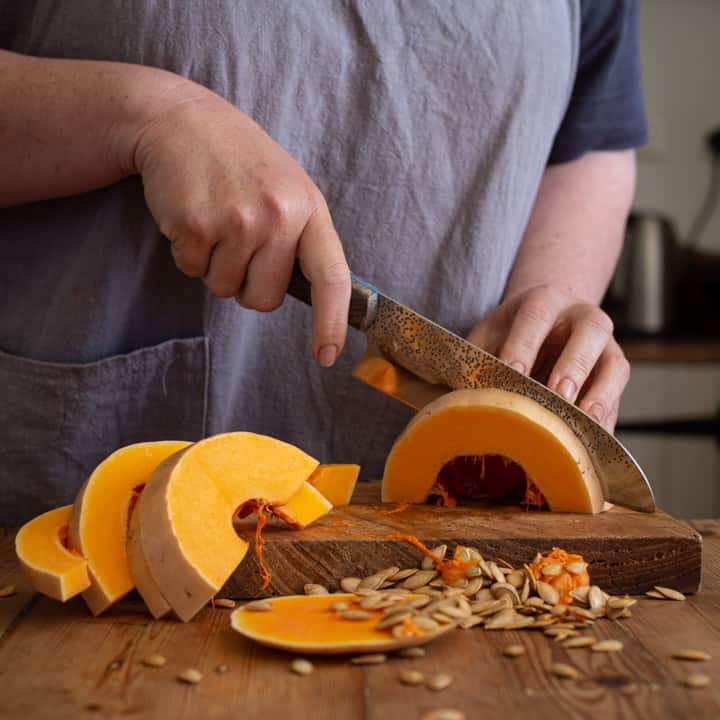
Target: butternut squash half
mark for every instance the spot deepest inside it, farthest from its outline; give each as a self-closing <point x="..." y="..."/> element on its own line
<point x="493" y="424"/>
<point x="50" y="566"/>
<point x="100" y="514"/>
<point x="336" y="482"/>
<point x="187" y="507"/>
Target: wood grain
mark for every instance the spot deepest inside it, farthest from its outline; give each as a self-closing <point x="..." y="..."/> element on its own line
<point x="628" y="552"/>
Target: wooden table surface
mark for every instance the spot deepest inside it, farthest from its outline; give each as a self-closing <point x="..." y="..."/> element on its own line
<point x="56" y="661"/>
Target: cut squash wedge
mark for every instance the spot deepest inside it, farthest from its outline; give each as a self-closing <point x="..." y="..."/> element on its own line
<point x="99" y="521"/>
<point x="52" y="568"/>
<point x="186" y="511"/>
<point x="491" y="422"/>
<point x="304" y="507"/>
<point x="336" y="482"/>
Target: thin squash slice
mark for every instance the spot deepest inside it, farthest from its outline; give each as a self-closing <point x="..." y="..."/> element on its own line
<point x="50" y="566"/>
<point x="100" y="514"/>
<point x="306" y="624"/>
<point x="304" y="507"/>
<point x="186" y="511"/>
<point x="463" y="430"/>
<point x="336" y="482"/>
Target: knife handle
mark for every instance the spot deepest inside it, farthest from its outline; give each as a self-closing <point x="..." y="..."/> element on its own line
<point x="363" y="298"/>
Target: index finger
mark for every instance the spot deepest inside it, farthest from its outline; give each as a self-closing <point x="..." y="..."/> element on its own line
<point x="323" y="263"/>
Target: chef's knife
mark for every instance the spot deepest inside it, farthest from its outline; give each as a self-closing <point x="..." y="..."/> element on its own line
<point x="416" y="360"/>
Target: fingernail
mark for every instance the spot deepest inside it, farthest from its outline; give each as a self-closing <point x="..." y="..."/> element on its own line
<point x="520" y="367"/>
<point x="597" y="412"/>
<point x="567" y="389"/>
<point x="327" y="355"/>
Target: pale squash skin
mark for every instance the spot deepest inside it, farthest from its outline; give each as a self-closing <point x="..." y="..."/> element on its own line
<point x="493" y="422"/>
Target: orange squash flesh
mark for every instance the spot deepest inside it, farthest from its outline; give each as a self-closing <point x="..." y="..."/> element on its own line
<point x="336" y="482"/>
<point x="100" y="514"/>
<point x="186" y="510"/>
<point x="305" y="624"/>
<point x="490" y="422"/>
<point x="50" y="566"/>
<point x="304" y="507"/>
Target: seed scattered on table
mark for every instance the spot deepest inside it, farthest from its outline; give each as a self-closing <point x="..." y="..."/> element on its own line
<point x="411" y="652"/>
<point x="350" y="584"/>
<point x="583" y="641"/>
<point x="190" y="676"/>
<point x="154" y="661"/>
<point x="564" y="671"/>
<point x="669" y="593"/>
<point x="444" y="714"/>
<point x="697" y="680"/>
<point x="441" y="681"/>
<point x="258" y="606"/>
<point x="224" y="603"/>
<point x="8" y="591"/>
<point x="315" y="589"/>
<point x="513" y="651"/>
<point x="689" y="654"/>
<point x="115" y="665"/>
<point x="370" y="659"/>
<point x="655" y="595"/>
<point x="411" y="677"/>
<point x="301" y="666"/>
<point x="607" y="646"/>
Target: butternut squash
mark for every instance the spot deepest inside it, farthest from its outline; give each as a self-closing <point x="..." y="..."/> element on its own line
<point x="50" y="566"/>
<point x="336" y="482"/>
<point x="492" y="423"/>
<point x="186" y="511"/>
<point x="304" y="507"/>
<point x="306" y="624"/>
<point x="99" y="520"/>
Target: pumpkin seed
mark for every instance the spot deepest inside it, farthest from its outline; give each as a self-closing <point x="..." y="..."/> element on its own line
<point x="455" y="612"/>
<point x="370" y="659"/>
<point x="474" y="584"/>
<point x="437" y="552"/>
<point x="581" y="594"/>
<point x="418" y="602"/>
<point x="191" y="676"/>
<point x="470" y="622"/>
<point x="620" y="603"/>
<point x="338" y="606"/>
<point x="670" y="593"/>
<point x="500" y="588"/>
<point x="655" y="595"/>
<point x="224" y="603"/>
<point x="258" y="606"/>
<point x="501" y="620"/>
<point x="697" y="655"/>
<point x="513" y="651"/>
<point x="301" y="667"/>
<point x="583" y="613"/>
<point x="366" y="592"/>
<point x="576" y="568"/>
<point x="411" y="677"/>
<point x="392" y="620"/>
<point x="315" y="589"/>
<point x="355" y="615"/>
<point x="525" y="592"/>
<point x="562" y="670"/>
<point x="441" y="681"/>
<point x="371" y="582"/>
<point x="154" y="661"/>
<point x="607" y="646"/>
<point x="411" y="652"/>
<point x="463" y="554"/>
<point x="548" y="593"/>
<point x="536" y="602"/>
<point x="444" y="714"/>
<point x="516" y="578"/>
<point x="425" y="624"/>
<point x="531" y="576"/>
<point x="520" y="622"/>
<point x="474" y="571"/>
<point x="402" y="574"/>
<point x="441" y="618"/>
<point x="697" y="680"/>
<point x="559" y="611"/>
<point x="552" y="570"/>
<point x="8" y="591"/>
<point x="420" y="578"/>
<point x="582" y="641"/>
<point x="350" y="584"/>
<point x="484" y="595"/>
<point x="460" y="584"/>
<point x="497" y="574"/>
<point x="596" y="599"/>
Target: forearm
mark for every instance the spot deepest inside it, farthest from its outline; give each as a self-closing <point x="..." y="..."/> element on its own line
<point x="576" y="228"/>
<point x="69" y="126"/>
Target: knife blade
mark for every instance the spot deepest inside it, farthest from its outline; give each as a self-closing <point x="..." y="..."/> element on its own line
<point x="415" y="360"/>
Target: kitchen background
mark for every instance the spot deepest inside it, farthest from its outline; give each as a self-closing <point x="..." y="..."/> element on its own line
<point x="675" y="296"/>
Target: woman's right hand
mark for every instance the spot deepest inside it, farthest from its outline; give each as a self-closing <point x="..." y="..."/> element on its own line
<point x="237" y="210"/>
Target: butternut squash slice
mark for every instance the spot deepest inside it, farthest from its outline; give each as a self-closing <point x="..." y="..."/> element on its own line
<point x="305" y="624"/>
<point x="304" y="507"/>
<point x="187" y="507"/>
<point x="50" y="566"/>
<point x="99" y="520"/>
<point x="492" y="423"/>
<point x="336" y="482"/>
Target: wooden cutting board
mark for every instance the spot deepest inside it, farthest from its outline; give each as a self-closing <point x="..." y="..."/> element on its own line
<point x="627" y="551"/>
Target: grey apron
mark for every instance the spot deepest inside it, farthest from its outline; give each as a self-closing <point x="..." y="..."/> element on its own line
<point x="427" y="125"/>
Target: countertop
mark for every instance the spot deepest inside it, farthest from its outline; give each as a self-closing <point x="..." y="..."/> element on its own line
<point x="56" y="661"/>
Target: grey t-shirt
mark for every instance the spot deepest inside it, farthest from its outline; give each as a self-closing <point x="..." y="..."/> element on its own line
<point x="427" y="125"/>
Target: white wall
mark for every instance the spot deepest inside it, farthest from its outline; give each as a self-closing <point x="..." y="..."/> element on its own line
<point x="680" y="56"/>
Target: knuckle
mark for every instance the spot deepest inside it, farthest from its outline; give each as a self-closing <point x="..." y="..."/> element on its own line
<point x="196" y="226"/>
<point x="535" y="312"/>
<point x="241" y="219"/>
<point x="189" y="261"/>
<point x="277" y="207"/>
<point x="599" y="320"/>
